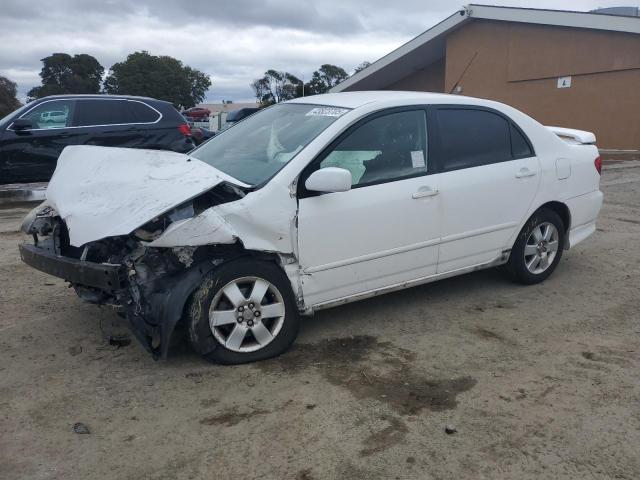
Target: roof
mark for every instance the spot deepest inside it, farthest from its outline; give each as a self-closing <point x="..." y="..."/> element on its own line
<point x="359" y="98"/>
<point x="100" y="95"/>
<point x="430" y="46"/>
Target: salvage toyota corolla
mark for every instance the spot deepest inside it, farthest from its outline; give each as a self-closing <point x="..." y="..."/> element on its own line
<point x="309" y="204"/>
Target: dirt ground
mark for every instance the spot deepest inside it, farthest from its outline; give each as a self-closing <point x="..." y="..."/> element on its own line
<point x="540" y="382"/>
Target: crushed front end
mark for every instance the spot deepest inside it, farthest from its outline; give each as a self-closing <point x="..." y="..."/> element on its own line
<point x="149" y="285"/>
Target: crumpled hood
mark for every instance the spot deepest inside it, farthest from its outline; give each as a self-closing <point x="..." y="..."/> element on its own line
<point x="103" y="192"/>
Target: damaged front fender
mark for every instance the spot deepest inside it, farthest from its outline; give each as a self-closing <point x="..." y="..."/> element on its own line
<point x="164" y="304"/>
<point x="204" y="229"/>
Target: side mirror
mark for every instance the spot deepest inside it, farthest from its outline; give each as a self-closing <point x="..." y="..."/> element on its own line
<point x="330" y="179"/>
<point x="22" y="124"/>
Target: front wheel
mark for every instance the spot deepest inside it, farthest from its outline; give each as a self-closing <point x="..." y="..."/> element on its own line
<point x="244" y="311"/>
<point x="538" y="249"/>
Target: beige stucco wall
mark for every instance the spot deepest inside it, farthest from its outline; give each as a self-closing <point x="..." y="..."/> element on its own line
<point x="519" y="64"/>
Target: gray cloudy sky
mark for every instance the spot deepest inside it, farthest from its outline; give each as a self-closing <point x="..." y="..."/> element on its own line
<point x="233" y="41"/>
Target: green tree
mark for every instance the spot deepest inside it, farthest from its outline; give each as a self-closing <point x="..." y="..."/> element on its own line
<point x="61" y="73"/>
<point x="8" y="96"/>
<point x="324" y="79"/>
<point x="161" y="77"/>
<point x="275" y="87"/>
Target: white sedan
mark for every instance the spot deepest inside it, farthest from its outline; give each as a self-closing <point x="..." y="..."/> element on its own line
<point x="310" y="204"/>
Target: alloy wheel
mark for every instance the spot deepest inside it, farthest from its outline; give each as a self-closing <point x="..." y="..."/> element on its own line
<point x="247" y="314"/>
<point x="541" y="248"/>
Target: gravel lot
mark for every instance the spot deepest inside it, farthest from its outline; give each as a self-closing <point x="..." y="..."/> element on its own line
<point x="540" y="382"/>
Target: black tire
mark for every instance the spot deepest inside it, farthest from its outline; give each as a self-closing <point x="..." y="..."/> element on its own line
<point x="201" y="335"/>
<point x="516" y="267"/>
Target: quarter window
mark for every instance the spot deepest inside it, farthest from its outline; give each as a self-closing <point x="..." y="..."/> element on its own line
<point x="142" y="113"/>
<point x="519" y="145"/>
<point x="51" y="114"/>
<point x="384" y="149"/>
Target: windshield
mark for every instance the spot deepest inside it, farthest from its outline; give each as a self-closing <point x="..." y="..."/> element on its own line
<point x="255" y="149"/>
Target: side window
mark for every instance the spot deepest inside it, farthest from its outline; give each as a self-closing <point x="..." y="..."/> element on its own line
<point x="384" y="149"/>
<point x="51" y="114"/>
<point x="470" y="138"/>
<point x="91" y="112"/>
<point x="141" y="112"/>
<point x="520" y="147"/>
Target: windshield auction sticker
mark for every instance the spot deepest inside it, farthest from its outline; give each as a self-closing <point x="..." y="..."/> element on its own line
<point x="327" y="112"/>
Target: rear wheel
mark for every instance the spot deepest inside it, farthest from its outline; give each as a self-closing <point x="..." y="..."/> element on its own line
<point x="538" y="249"/>
<point x="245" y="310"/>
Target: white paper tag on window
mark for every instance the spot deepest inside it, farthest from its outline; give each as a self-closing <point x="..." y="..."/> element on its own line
<point x="417" y="159"/>
<point x="326" y="112"/>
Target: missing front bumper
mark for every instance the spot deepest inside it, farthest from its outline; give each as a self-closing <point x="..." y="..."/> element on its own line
<point x="97" y="275"/>
<point x="153" y="305"/>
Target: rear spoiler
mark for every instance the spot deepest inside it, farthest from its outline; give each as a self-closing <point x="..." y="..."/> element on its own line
<point x="576" y="137"/>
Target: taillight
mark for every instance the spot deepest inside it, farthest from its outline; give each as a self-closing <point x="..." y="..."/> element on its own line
<point x="598" y="165"/>
<point x="185" y="129"/>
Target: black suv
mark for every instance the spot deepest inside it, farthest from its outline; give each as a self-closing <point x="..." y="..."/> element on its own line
<point x="32" y="137"/>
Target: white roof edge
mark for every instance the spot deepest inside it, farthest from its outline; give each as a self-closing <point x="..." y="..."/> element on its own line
<point x="438" y="29"/>
<point x="561" y="18"/>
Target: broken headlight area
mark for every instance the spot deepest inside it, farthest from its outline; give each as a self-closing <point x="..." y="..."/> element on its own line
<point x="45" y="226"/>
<point x="222" y="193"/>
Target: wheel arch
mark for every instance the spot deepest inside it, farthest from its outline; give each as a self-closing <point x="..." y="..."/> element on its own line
<point x="268" y="257"/>
<point x="517" y="270"/>
<point x="560" y="208"/>
<point x="563" y="212"/>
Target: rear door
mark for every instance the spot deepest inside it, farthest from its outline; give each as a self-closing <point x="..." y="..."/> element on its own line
<point x="489" y="177"/>
<point x="31" y="155"/>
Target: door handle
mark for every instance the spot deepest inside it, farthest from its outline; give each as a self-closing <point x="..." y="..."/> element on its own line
<point x="525" y="172"/>
<point x="425" y="192"/>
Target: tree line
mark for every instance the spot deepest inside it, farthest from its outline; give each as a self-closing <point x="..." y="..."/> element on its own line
<point x="277" y="86"/>
<point x="143" y="74"/>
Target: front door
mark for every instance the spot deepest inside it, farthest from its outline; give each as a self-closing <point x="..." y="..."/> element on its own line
<point x="385" y="230"/>
<point x="31" y="155"/>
